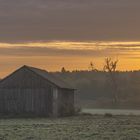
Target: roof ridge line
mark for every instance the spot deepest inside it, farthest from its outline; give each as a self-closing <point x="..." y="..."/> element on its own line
<point x="42" y="76"/>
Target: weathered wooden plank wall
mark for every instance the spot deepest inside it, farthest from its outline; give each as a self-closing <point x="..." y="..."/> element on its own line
<point x="66" y="102"/>
<point x="36" y="101"/>
<point x="24" y="78"/>
<point x="26" y="92"/>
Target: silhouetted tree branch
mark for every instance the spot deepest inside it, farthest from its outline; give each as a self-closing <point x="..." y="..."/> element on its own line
<point x="110" y="67"/>
<point x="92" y="67"/>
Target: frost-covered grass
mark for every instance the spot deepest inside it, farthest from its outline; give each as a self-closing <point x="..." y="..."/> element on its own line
<point x="84" y="127"/>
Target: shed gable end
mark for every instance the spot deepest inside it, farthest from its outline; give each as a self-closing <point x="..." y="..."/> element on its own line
<point x="24" y="78"/>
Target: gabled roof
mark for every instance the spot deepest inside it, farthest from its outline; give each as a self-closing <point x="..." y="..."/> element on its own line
<point x="56" y="80"/>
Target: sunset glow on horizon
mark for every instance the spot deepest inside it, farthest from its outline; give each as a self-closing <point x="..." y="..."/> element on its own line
<point x="53" y="55"/>
<point x="52" y="34"/>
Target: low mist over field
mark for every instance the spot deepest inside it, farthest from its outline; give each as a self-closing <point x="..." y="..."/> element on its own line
<point x="94" y="89"/>
<point x="69" y="69"/>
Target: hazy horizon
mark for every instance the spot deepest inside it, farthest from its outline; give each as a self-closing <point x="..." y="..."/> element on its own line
<point x="55" y="33"/>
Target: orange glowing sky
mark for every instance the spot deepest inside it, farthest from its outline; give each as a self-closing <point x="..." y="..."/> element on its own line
<point x="51" y="34"/>
<point x="71" y="54"/>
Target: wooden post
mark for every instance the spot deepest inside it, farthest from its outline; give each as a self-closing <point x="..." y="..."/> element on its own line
<point x="55" y="102"/>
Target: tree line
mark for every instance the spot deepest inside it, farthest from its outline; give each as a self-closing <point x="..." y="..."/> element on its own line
<point x="107" y="84"/>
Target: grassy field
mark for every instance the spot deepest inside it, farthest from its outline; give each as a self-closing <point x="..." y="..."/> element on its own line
<point x="82" y="127"/>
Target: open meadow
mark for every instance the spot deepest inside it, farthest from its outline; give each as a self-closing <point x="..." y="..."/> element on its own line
<point x="83" y="127"/>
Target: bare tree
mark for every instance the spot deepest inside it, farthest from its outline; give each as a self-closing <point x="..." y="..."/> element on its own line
<point x="92" y="67"/>
<point x="110" y="67"/>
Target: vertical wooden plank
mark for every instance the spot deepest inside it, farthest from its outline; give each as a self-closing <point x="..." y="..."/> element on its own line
<point x="55" y="102"/>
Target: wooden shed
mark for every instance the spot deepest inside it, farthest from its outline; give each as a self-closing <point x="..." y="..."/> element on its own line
<point x="34" y="91"/>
